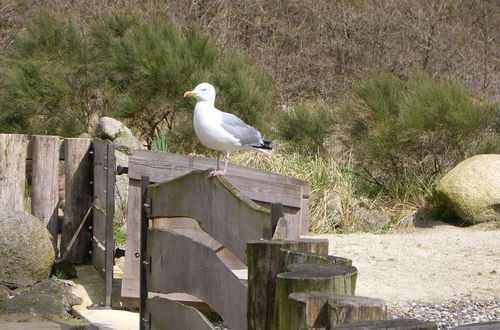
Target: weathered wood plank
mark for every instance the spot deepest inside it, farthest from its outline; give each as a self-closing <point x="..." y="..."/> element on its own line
<point x="13" y="149"/>
<point x="263" y="267"/>
<point x="289" y="257"/>
<point x="178" y="264"/>
<point x="45" y="181"/>
<point x="309" y="277"/>
<point x="258" y="185"/>
<point x="130" y="281"/>
<point x="78" y="197"/>
<point x="221" y="211"/>
<point x="322" y="310"/>
<point x="110" y="214"/>
<point x="164" y="166"/>
<point x="167" y="314"/>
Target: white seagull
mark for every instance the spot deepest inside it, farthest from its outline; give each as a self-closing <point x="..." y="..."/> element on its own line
<point x="222" y="131"/>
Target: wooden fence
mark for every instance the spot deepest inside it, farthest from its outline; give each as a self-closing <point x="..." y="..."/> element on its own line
<point x="261" y="187"/>
<point x="291" y="283"/>
<point x="89" y="170"/>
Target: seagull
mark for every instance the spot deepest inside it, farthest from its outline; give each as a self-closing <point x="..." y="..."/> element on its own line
<point x="222" y="131"/>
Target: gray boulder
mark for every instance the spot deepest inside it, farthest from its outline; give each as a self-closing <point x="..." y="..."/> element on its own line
<point x="121" y="187"/>
<point x="127" y="144"/>
<point x="49" y="297"/>
<point x="422" y="218"/>
<point x="472" y="189"/>
<point x="109" y="129"/>
<point x="26" y="252"/>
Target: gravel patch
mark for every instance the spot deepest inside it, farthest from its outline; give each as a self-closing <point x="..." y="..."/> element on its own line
<point x="452" y="313"/>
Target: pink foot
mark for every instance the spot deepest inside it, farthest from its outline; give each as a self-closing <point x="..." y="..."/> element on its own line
<point x="216" y="173"/>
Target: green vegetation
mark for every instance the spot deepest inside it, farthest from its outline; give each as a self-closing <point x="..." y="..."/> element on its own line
<point x="386" y="137"/>
<point x="58" y="79"/>
<point x="405" y="134"/>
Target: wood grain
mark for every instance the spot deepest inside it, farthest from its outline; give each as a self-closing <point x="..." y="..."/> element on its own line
<point x="78" y="197"/>
<point x="45" y="181"/>
<point x="13" y="149"/>
<point x="167" y="314"/>
<point x="221" y="211"/>
<point x="322" y="310"/>
<point x="179" y="264"/>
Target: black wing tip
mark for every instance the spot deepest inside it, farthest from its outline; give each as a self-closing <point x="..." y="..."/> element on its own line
<point x="266" y="145"/>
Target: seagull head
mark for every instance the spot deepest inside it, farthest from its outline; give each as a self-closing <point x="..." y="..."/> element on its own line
<point x="202" y="92"/>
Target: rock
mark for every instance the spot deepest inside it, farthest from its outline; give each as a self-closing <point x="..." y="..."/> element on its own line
<point x="26" y="253"/>
<point x="364" y="211"/>
<point x="85" y="136"/>
<point x="472" y="189"/>
<point x="4" y="292"/>
<point x="121" y="187"/>
<point x="127" y="144"/>
<point x="422" y="218"/>
<point x="109" y="129"/>
<point x="48" y="297"/>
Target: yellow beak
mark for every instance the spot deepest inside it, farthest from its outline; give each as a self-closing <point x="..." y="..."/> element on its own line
<point x="189" y="94"/>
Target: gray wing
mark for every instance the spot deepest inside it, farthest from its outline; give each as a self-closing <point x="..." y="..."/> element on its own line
<point x="236" y="127"/>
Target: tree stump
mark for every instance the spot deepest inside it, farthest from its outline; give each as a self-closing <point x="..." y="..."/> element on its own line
<point x="322" y="310"/>
<point x="310" y="277"/>
<point x="289" y="257"/>
<point x="13" y="150"/>
<point x="263" y="266"/>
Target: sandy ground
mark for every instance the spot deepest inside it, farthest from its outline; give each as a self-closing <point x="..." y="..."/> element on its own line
<point x="426" y="264"/>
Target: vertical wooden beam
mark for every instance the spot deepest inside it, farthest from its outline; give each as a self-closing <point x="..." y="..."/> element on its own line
<point x="45" y="181"/>
<point x="144" y="322"/>
<point x="110" y="212"/>
<point x="13" y="151"/>
<point x="78" y="197"/>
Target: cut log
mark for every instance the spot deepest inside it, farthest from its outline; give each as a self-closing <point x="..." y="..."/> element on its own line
<point x="45" y="181"/>
<point x="78" y="198"/>
<point x="289" y="257"/>
<point x="399" y="324"/>
<point x="263" y="266"/>
<point x="322" y="310"/>
<point x="310" y="277"/>
<point x="13" y="150"/>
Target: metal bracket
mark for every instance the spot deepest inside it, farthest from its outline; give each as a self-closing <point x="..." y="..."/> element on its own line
<point x="147" y="262"/>
<point x="119" y="253"/>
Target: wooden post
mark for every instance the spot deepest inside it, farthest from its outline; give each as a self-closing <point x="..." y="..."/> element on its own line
<point x="144" y="320"/>
<point x="309" y="277"/>
<point x="45" y="181"/>
<point x="13" y="150"/>
<point x="78" y="197"/>
<point x="289" y="257"/>
<point x="263" y="266"/>
<point x="322" y="310"/>
<point x="110" y="213"/>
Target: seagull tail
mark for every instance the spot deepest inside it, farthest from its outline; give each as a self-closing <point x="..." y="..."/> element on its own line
<point x="265" y="145"/>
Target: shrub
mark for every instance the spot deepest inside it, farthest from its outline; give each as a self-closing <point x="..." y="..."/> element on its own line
<point x="59" y="78"/>
<point x="306" y="126"/>
<point x="404" y="134"/>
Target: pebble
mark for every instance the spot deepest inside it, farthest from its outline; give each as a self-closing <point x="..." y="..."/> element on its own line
<point x="452" y="313"/>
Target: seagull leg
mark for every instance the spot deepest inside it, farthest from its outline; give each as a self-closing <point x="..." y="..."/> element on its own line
<point x="227" y="159"/>
<point x="218" y="172"/>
